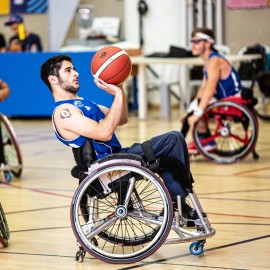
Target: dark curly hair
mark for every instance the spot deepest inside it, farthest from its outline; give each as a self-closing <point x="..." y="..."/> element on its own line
<point x="52" y="67"/>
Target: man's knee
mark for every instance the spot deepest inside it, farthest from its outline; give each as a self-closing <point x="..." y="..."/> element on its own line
<point x="175" y="135"/>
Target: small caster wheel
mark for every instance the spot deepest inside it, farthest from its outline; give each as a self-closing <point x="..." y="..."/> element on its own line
<point x="94" y="241"/>
<point x="196" y="248"/>
<point x="8" y="176"/>
<point x="80" y="255"/>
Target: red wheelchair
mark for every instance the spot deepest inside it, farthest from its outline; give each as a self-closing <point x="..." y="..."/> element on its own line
<point x="4" y="230"/>
<point x="233" y="131"/>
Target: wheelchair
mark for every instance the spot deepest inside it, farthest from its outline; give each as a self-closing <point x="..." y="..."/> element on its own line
<point x="232" y="130"/>
<point x="122" y="212"/>
<point x="10" y="155"/>
<point x="4" y="230"/>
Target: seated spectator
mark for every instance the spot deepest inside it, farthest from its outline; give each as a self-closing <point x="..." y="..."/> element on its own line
<point x="4" y="90"/>
<point x="31" y="42"/>
<point x="2" y="43"/>
<point x="15" y="45"/>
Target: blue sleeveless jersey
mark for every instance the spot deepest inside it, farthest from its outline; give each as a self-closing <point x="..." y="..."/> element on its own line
<point x="92" y="111"/>
<point x="229" y="86"/>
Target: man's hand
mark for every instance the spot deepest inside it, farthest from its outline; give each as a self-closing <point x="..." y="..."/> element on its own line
<point x="192" y="120"/>
<point x="119" y="106"/>
<point x="109" y="88"/>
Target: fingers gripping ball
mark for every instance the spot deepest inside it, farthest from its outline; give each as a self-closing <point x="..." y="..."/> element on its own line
<point x="111" y="64"/>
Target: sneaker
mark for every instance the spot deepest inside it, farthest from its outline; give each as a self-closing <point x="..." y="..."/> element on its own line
<point x="192" y="150"/>
<point x="190" y="213"/>
<point x="210" y="146"/>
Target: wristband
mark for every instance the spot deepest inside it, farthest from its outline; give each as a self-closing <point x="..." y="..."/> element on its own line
<point x="198" y="112"/>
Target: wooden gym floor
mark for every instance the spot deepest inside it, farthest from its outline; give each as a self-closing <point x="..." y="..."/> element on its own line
<point x="236" y="198"/>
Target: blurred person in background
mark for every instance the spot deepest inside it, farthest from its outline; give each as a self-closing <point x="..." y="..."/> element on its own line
<point x="31" y="42"/>
<point x="220" y="80"/>
<point x="15" y="45"/>
<point x="2" y="43"/>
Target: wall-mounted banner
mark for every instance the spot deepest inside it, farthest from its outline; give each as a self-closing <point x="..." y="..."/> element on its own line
<point x="28" y="6"/>
<point x="4" y="7"/>
<point x="247" y="4"/>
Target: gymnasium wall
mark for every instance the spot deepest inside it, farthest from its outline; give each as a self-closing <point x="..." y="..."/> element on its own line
<point x="241" y="27"/>
<point x="31" y="98"/>
<point x="246" y="27"/>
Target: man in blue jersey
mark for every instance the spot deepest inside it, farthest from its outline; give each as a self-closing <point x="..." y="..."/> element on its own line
<point x="76" y="120"/>
<point x="220" y="79"/>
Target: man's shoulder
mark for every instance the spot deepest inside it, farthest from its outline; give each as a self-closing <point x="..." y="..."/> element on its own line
<point x="65" y="110"/>
<point x="62" y="105"/>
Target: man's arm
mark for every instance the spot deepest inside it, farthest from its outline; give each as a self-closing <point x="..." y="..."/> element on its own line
<point x="4" y="90"/>
<point x="119" y="107"/>
<point x="213" y="72"/>
<point x="201" y="88"/>
<point x="70" y="123"/>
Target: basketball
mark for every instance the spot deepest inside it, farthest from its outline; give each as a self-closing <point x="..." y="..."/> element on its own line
<point x="111" y="64"/>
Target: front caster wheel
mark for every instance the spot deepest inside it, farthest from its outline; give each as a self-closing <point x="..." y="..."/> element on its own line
<point x="8" y="176"/>
<point x="196" y="248"/>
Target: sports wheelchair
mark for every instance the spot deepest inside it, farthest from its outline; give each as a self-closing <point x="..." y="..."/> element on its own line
<point x="232" y="129"/>
<point x="4" y="230"/>
<point x="122" y="212"/>
<point x="10" y="154"/>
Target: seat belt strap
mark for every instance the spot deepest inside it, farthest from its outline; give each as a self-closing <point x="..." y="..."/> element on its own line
<point x="152" y="161"/>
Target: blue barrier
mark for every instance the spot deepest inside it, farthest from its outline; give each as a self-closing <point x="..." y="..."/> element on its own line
<point x="29" y="96"/>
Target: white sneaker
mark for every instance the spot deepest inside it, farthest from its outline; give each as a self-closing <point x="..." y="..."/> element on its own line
<point x="210" y="147"/>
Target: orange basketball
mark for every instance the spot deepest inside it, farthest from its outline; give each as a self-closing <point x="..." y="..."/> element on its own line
<point x="111" y="64"/>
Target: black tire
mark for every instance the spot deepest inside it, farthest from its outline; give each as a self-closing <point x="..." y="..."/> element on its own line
<point x="232" y="127"/>
<point x="129" y="238"/>
<point x="12" y="153"/>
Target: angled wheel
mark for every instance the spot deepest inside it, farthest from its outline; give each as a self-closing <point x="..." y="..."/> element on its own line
<point x="233" y="132"/>
<point x="12" y="154"/>
<point x="124" y="203"/>
<point x="4" y="230"/>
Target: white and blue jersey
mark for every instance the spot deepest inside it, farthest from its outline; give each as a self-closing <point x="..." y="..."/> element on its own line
<point x="92" y="111"/>
<point x="229" y="86"/>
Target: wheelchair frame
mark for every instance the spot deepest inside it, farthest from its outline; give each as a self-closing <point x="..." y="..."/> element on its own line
<point x="122" y="212"/>
<point x="233" y="129"/>
<point x="11" y="162"/>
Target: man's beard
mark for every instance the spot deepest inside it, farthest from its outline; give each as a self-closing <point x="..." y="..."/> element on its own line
<point x="66" y="86"/>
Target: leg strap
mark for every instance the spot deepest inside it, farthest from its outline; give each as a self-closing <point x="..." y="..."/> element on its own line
<point x="178" y="169"/>
<point x="151" y="160"/>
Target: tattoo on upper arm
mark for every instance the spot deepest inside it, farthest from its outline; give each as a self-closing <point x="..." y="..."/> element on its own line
<point x="65" y="113"/>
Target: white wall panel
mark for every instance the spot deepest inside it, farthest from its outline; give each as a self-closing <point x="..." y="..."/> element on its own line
<point x="60" y="16"/>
